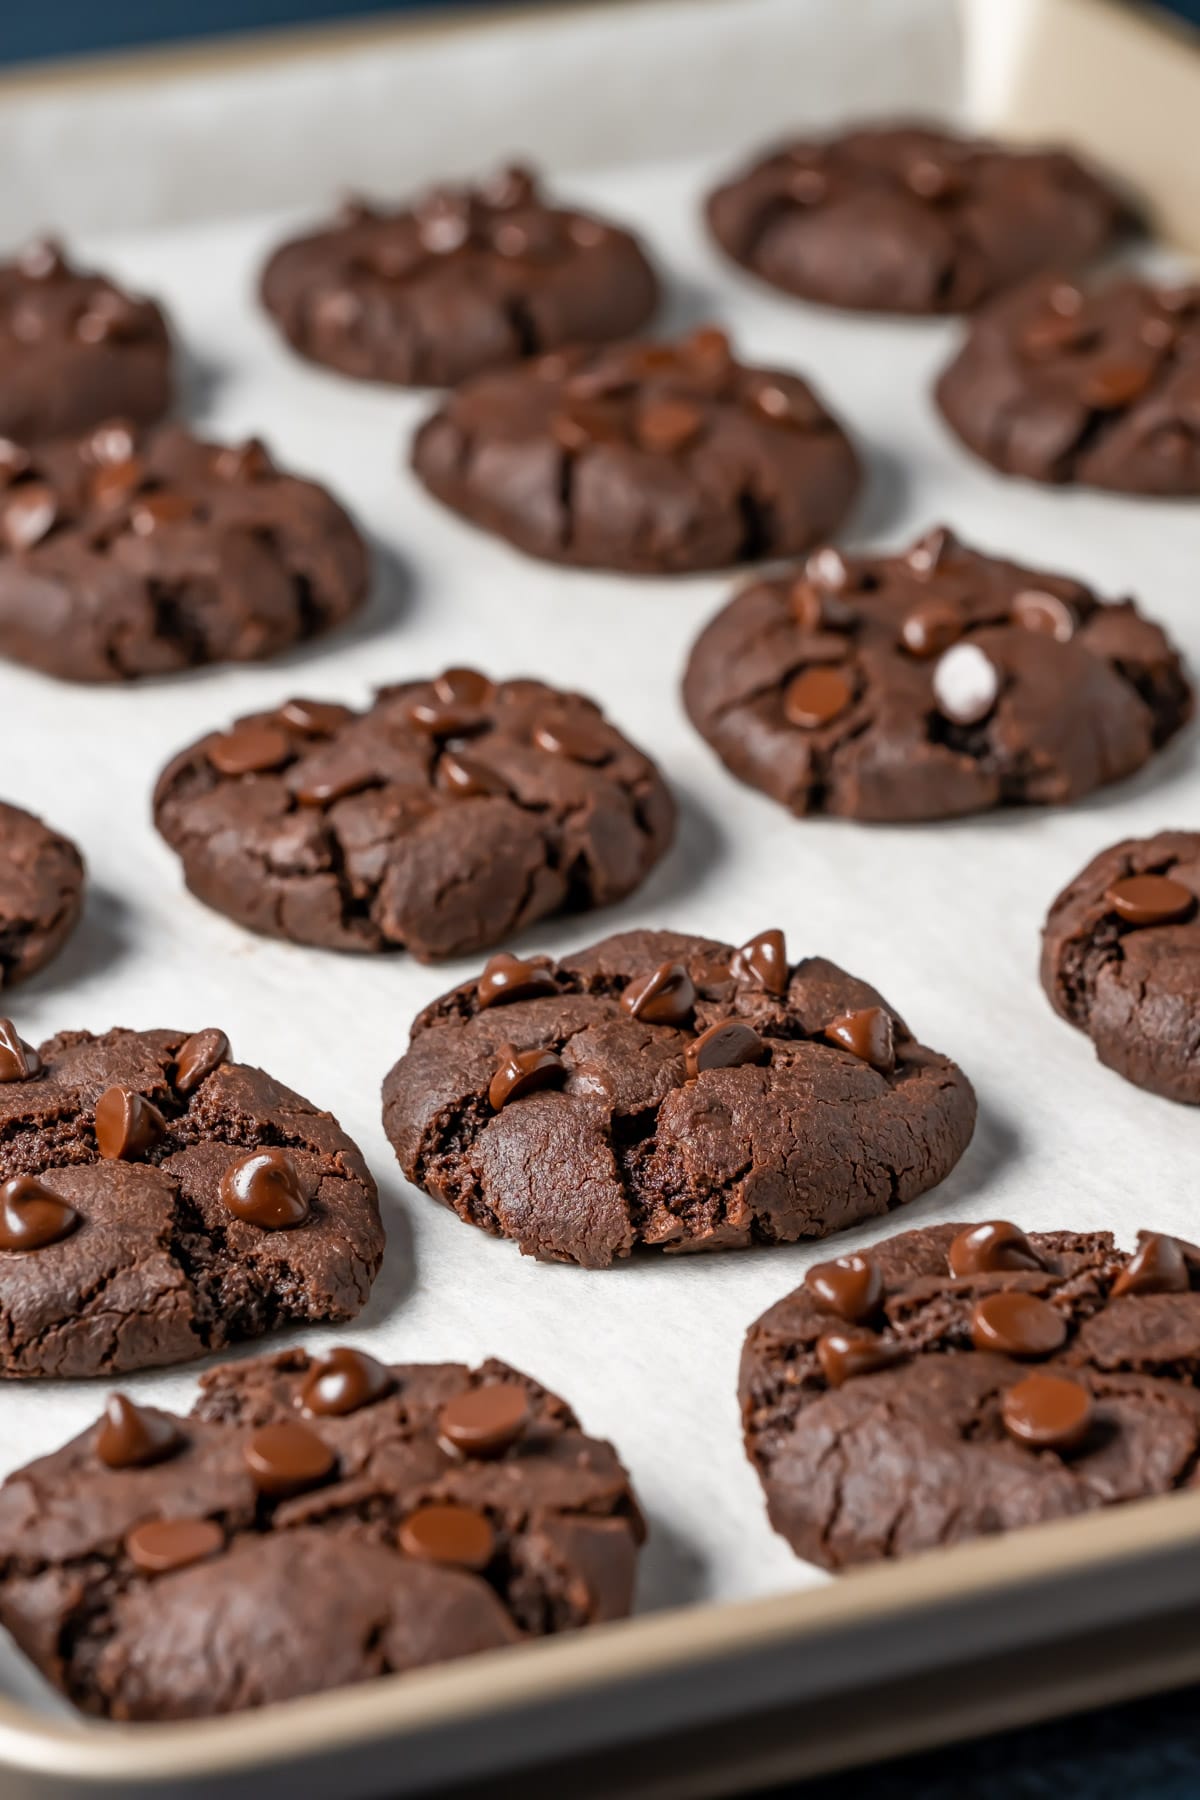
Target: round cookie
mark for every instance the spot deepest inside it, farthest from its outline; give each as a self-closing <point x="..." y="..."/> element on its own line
<point x="462" y="280"/>
<point x="314" y="1522"/>
<point x="41" y="893"/>
<point x="74" y="349"/>
<point x="1101" y="388"/>
<point x="125" y="554"/>
<point x="961" y="1380"/>
<point x="447" y="816"/>
<point x="907" y="219"/>
<point x="158" y="1201"/>
<point x="930" y="684"/>
<point x="649" y="458"/>
<point x="669" y="1091"/>
<point x="1121" y="960"/>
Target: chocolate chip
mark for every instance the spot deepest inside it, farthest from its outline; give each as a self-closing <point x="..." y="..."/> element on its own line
<point x="966" y="684"/>
<point x="129" y="1437"/>
<point x="991" y="1247"/>
<point x="1157" y="1266"/>
<point x="523" y="1072"/>
<point x="582" y="423"/>
<point x="163" y="508"/>
<point x="31" y="1216"/>
<point x="14" y="461"/>
<point x="321" y="787"/>
<point x="250" y="461"/>
<point x="249" y="749"/>
<point x="929" y="553"/>
<point x="1036" y="610"/>
<point x="28" y="516"/>
<point x="511" y="187"/>
<point x="816" y="696"/>
<point x="844" y="1354"/>
<point x="198" y="1056"/>
<point x="806" y="605"/>
<point x="112" y="443"/>
<point x="869" y="1034"/>
<point x="508" y="978"/>
<point x="485" y="1421"/>
<point x="1150" y="900"/>
<point x="264" y="1189"/>
<point x="849" y="1285"/>
<point x="725" y="1046"/>
<point x="287" y="1458"/>
<point x="19" y="1061"/>
<point x="445" y="718"/>
<point x="114" y="483"/>
<point x="666" y="996"/>
<point x="468" y="778"/>
<point x="343" y="1381"/>
<point x="930" y="628"/>
<point x="463" y="687"/>
<point x="665" y="427"/>
<point x="576" y="739"/>
<point x="764" y="959"/>
<point x="827" y="568"/>
<point x="785" y="401"/>
<point x="1016" y="1324"/>
<point x="444" y="222"/>
<point x="1047" y="1412"/>
<point x="159" y="1545"/>
<point x="128" y="1126"/>
<point x="444" y="1533"/>
<point x="931" y="179"/>
<point x="1055" y="332"/>
<point x="1113" y="385"/>
<point x="315" y="718"/>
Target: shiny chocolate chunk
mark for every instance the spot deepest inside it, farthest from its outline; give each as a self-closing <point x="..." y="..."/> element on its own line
<point x="1150" y="900"/>
<point x="665" y="427"/>
<point x="27" y="516"/>
<point x="130" y="1437"/>
<point x="468" y="778"/>
<point x="31" y="1216"/>
<point x="444" y="1533"/>
<point x="1157" y="1266"/>
<point x="520" y="1073"/>
<point x="869" y="1034"/>
<point x="287" y="1458"/>
<point x="158" y="1546"/>
<point x="264" y="1189"/>
<point x="844" y="1354"/>
<point x="1047" y="1412"/>
<point x="849" y="1285"/>
<point x="507" y="978"/>
<point x="250" y="749"/>
<point x="816" y="697"/>
<point x="577" y="739"/>
<point x="764" y="959"/>
<point x="463" y="687"/>
<point x="315" y="718"/>
<point x="932" y="627"/>
<point x="1036" y="610"/>
<point x="724" y="1046"/>
<point x="198" y="1056"/>
<point x="1013" y="1323"/>
<point x="990" y="1248"/>
<point x="19" y="1061"/>
<point x="666" y="996"/>
<point x="128" y="1126"/>
<point x="485" y="1421"/>
<point x="344" y="1381"/>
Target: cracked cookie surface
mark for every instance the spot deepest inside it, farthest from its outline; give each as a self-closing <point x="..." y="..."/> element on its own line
<point x="649" y="458"/>
<point x="906" y="219"/>
<point x="41" y="893"/>
<point x="931" y="684"/>
<point x="879" y="1426"/>
<point x="448" y="816"/>
<point x="465" y="279"/>
<point x="314" y="1522"/>
<point x="1121" y="960"/>
<point x="668" y="1091"/>
<point x="74" y="350"/>
<point x="1099" y="386"/>
<point x="127" y="553"/>
<point x="122" y="1158"/>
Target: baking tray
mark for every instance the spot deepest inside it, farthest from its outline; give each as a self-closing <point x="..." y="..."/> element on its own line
<point x="741" y="1656"/>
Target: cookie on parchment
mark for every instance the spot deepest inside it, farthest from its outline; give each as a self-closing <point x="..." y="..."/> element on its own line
<point x="41" y="893"/>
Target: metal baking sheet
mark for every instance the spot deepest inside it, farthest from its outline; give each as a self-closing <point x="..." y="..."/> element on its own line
<point x="944" y="918"/>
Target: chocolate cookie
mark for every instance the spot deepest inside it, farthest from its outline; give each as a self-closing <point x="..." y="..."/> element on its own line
<point x="652" y="458"/>
<point x="41" y="893"/>
<point x="449" y="815"/>
<point x="1121" y="960"/>
<point x="906" y="219"/>
<point x="463" y="280"/>
<point x="669" y="1091"/>
<point x="966" y="1379"/>
<point x="126" y="554"/>
<point x="74" y="349"/>
<point x="314" y="1522"/>
<point x="931" y="684"/>
<point x="1101" y="387"/>
<point x="159" y="1201"/>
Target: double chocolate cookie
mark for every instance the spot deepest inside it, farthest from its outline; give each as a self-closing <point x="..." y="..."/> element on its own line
<point x="74" y="349"/>
<point x="1121" y="960"/>
<point x="1100" y="387"/>
<point x="931" y="684"/>
<point x="126" y="553"/>
<point x="462" y="280"/>
<point x="41" y="893"/>
<point x="158" y="1201"/>
<point x="650" y="458"/>
<point x="314" y="1522"/>
<point x="967" y="1379"/>
<point x="907" y="219"/>
<point x="449" y="815"/>
<point x="670" y="1091"/>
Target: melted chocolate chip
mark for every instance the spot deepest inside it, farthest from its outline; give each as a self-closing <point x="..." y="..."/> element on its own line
<point x="463" y="687"/>
<point x="243" y="462"/>
<point x="849" y="1285"/>
<point x="343" y="1381"/>
<point x="19" y="1061"/>
<point x="508" y="978"/>
<point x="666" y="996"/>
<point x="323" y="787"/>
<point x="1111" y="386"/>
<point x="1150" y="900"/>
<point x="128" y="1126"/>
<point x="844" y="1354"/>
<point x="764" y="959"/>
<point x="31" y="1216"/>
<point x="203" y="1052"/>
<point x="991" y="1247"/>
<point x="816" y="696"/>
<point x="445" y="718"/>
<point x="966" y="684"/>
<point x="249" y="749"/>
<point x="523" y="1072"/>
<point x="665" y="427"/>
<point x="161" y="508"/>
<point x="264" y="1189"/>
<point x="468" y="778"/>
<point x="575" y="739"/>
<point x="485" y="1421"/>
<point x="930" y="628"/>
<point x="1047" y="1412"/>
<point x="455" y="1535"/>
<point x="827" y="569"/>
<point x="129" y="1437"/>
<point x="287" y="1458"/>
<point x="930" y="552"/>
<point x="1157" y="1266"/>
<point x="28" y="515"/>
<point x="724" y="1046"/>
<point x="1016" y="1324"/>
<point x="315" y="718"/>
<point x="1035" y="610"/>
<point x="159" y="1545"/>
<point x="869" y="1034"/>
